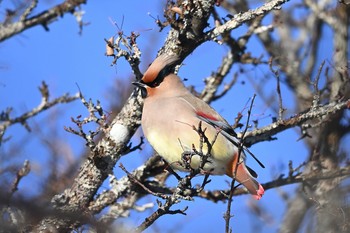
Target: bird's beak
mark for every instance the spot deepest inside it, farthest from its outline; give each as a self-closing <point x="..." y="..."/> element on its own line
<point x="141" y="86"/>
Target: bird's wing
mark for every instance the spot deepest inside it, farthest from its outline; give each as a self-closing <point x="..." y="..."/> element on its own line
<point x="225" y="128"/>
<point x="227" y="131"/>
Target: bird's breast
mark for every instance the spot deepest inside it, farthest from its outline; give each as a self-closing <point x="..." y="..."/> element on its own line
<point x="173" y="137"/>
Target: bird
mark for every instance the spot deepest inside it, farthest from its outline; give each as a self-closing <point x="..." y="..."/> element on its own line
<point x="170" y="114"/>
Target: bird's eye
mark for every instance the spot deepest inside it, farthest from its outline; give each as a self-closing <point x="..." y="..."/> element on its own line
<point x="155" y="84"/>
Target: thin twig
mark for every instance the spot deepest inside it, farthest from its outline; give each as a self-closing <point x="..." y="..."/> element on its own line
<point x="278" y="88"/>
<point x="125" y="46"/>
<point x="45" y="104"/>
<point x="135" y="180"/>
<point x="22" y="172"/>
<point x="96" y="115"/>
<point x="29" y="10"/>
<point x="227" y="215"/>
<point x="316" y="97"/>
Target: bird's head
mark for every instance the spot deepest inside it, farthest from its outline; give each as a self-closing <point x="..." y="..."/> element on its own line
<point x="161" y="67"/>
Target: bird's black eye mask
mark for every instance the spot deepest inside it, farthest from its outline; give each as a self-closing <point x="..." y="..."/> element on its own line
<point x="161" y="75"/>
<point x="156" y="82"/>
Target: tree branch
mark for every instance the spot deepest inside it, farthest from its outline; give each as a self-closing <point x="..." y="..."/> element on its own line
<point x="8" y="30"/>
<point x="220" y="195"/>
<point x="241" y="18"/>
<point x="266" y="133"/>
<point x="44" y="105"/>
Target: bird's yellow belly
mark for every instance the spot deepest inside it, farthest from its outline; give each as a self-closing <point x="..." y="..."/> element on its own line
<point x="172" y="151"/>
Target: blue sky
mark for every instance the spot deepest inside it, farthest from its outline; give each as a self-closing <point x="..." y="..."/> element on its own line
<point x="63" y="59"/>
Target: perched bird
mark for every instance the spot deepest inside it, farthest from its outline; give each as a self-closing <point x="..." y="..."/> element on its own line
<point x="169" y="115"/>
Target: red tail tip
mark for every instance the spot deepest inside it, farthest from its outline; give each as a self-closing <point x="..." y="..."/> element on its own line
<point x="259" y="193"/>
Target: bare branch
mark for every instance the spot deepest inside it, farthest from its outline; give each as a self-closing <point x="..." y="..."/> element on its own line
<point x="214" y="81"/>
<point x="135" y="180"/>
<point x="220" y="195"/>
<point x="44" y="18"/>
<point x="266" y="133"/>
<point x="153" y="167"/>
<point x="20" y="174"/>
<point x="96" y="115"/>
<point x="44" y="105"/>
<point x="29" y="10"/>
<point x="241" y="18"/>
<point x="319" y="12"/>
<point x="125" y="46"/>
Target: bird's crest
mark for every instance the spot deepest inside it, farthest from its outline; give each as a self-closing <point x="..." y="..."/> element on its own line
<point x="159" y="68"/>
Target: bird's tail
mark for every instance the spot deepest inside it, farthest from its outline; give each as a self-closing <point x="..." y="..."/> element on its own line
<point x="243" y="176"/>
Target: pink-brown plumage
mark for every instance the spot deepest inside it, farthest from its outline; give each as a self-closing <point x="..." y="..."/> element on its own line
<point x="169" y="114"/>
